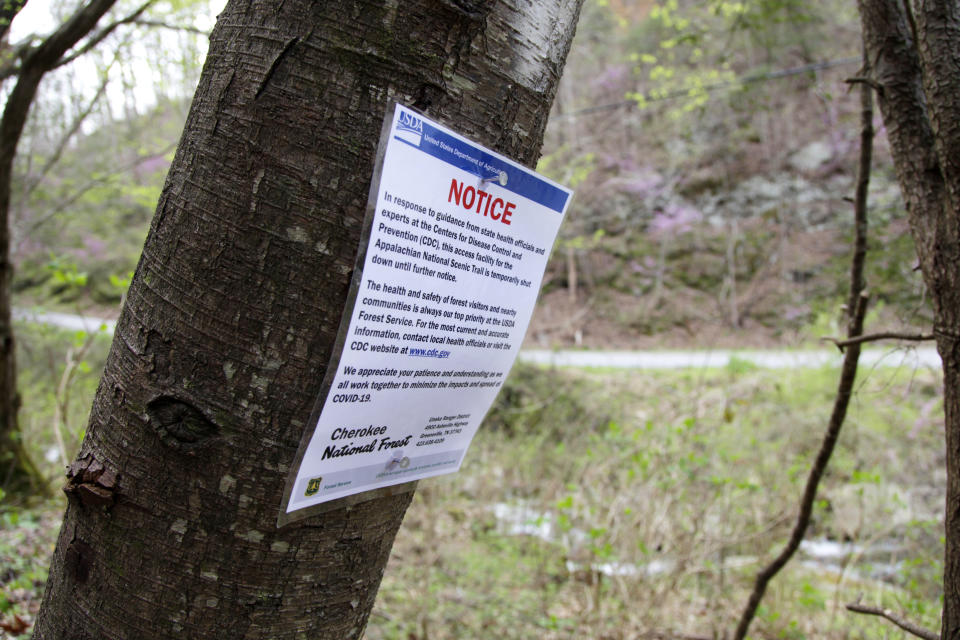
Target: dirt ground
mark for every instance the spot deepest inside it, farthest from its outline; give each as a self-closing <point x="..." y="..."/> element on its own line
<point x="561" y="323"/>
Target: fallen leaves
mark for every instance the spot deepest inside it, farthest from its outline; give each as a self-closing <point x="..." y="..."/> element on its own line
<point x="15" y="627"/>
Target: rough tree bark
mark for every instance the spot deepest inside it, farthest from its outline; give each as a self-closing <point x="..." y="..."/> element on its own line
<point x="233" y="311"/>
<point x="916" y="71"/>
<point x="17" y="472"/>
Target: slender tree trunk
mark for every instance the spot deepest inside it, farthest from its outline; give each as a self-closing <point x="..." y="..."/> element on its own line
<point x="856" y="312"/>
<point x="916" y="74"/>
<point x="231" y="318"/>
<point x="17" y="472"/>
<point x="938" y="31"/>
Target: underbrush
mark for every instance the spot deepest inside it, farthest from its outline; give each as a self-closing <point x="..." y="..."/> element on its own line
<point x="58" y="375"/>
<point x="651" y="512"/>
<point x="58" y="372"/>
<point x="767" y="284"/>
<point x="625" y="504"/>
<point x="27" y="538"/>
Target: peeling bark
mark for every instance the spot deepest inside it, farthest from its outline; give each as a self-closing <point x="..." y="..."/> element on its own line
<point x="233" y="311"/>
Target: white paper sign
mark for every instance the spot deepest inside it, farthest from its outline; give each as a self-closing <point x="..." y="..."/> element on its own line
<point x="457" y="250"/>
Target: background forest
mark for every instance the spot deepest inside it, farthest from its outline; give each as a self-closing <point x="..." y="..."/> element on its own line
<point x="713" y="148"/>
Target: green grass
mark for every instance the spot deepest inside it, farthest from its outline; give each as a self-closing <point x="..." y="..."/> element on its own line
<point x="682" y="483"/>
<point x="58" y="374"/>
<point x="650" y="500"/>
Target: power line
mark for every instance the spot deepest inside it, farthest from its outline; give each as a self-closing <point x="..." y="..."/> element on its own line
<point x="742" y="81"/>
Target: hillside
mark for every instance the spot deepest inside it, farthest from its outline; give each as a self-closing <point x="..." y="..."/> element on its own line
<point x="714" y="163"/>
<point x="713" y="158"/>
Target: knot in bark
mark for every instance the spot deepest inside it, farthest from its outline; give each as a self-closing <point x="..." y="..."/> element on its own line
<point x="180" y="425"/>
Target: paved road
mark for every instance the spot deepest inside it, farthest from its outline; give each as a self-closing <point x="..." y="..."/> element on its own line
<point x="770" y="359"/>
<point x="65" y="320"/>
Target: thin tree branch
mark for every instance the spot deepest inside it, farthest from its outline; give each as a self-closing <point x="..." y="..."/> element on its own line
<point x="12" y="68"/>
<point x="11" y="65"/>
<point x="848" y="373"/>
<point x="903" y="623"/>
<point x="65" y="139"/>
<point x="44" y="57"/>
<point x="870" y="82"/>
<point x="172" y="27"/>
<point x="99" y="37"/>
<point x="35" y="64"/>
<point x="883" y="335"/>
<point x="63" y="204"/>
<point x="844" y="391"/>
<point x="857" y="281"/>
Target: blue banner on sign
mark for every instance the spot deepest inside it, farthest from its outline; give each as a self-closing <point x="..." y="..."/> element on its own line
<point x="461" y="154"/>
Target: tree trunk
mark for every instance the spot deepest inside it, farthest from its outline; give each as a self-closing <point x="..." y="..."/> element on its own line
<point x="17" y="472"/>
<point x="918" y="87"/>
<point x="231" y="318"/>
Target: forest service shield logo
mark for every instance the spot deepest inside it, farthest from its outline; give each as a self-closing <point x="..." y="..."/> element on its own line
<point x="313" y="485"/>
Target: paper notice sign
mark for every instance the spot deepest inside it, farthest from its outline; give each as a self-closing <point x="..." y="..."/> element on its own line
<point x="459" y="238"/>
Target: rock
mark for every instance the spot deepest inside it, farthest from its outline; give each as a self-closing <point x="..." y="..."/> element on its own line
<point x="811" y="157"/>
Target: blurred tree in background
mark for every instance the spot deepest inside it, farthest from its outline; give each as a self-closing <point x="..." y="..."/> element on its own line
<point x="87" y="60"/>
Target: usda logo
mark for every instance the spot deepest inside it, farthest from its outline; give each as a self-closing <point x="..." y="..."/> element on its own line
<point x="409" y="129"/>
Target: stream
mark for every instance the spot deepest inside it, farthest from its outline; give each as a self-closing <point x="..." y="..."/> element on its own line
<point x="872" y="563"/>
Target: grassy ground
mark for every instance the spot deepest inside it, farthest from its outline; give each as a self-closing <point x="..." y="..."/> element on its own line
<point x="612" y="504"/>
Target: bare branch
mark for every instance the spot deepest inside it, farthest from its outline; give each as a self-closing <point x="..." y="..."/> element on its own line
<point x="900" y="621"/>
<point x="12" y="67"/>
<point x="99" y="37"/>
<point x="32" y="184"/>
<point x="873" y="84"/>
<point x="172" y="27"/>
<point x="35" y="63"/>
<point x="848" y="373"/>
<point x="78" y="193"/>
<point x="44" y="57"/>
<point x="858" y="283"/>
<point x="844" y="390"/>
<point x="11" y="63"/>
<point x="883" y="335"/>
<point x="63" y="204"/>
